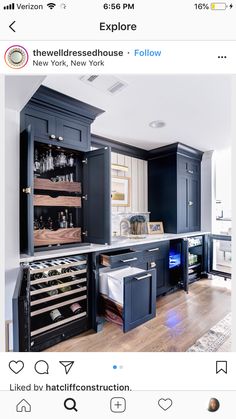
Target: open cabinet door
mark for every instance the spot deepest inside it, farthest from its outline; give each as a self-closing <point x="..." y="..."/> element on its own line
<point x="97" y="196"/>
<point x="219" y="255"/>
<point x="21" y="313"/>
<point x="26" y="191"/>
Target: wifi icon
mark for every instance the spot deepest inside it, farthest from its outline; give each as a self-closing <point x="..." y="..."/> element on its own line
<point x="51" y="5"/>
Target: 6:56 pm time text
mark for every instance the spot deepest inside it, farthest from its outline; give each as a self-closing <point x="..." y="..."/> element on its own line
<point x="118" y="6"/>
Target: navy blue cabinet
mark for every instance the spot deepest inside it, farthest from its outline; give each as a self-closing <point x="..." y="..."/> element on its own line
<point x="174" y="187"/>
<point x="59" y="119"/>
<point x="64" y="187"/>
<point x="157" y="257"/>
<point x="139" y="299"/>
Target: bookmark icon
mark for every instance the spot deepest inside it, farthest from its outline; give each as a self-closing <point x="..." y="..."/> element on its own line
<point x="67" y="365"/>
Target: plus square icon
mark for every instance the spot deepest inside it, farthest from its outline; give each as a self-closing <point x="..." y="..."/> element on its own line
<point x="118" y="405"/>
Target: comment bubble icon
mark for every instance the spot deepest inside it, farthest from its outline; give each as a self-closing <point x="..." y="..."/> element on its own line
<point x="41" y="367"/>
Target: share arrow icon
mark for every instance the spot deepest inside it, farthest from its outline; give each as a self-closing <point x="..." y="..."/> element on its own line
<point x="67" y="365"/>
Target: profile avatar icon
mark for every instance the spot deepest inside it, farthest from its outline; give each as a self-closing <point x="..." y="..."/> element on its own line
<point x="16" y="56"/>
<point x="213" y="405"/>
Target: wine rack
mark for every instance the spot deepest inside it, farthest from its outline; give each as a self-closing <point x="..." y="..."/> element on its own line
<point x="58" y="288"/>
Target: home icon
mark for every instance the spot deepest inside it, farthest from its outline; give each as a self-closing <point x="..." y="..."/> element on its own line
<point x="23" y="407"/>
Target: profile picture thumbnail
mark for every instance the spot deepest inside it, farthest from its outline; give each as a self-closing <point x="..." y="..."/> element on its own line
<point x="16" y="56"/>
<point x="213" y="405"/>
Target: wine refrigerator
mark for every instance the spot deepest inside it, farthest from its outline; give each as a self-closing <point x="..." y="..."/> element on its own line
<point x="50" y="302"/>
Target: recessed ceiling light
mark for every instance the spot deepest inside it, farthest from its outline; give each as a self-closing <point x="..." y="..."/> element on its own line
<point x="157" y="124"/>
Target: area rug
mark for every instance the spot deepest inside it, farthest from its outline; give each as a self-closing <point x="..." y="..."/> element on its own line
<point x="215" y="338"/>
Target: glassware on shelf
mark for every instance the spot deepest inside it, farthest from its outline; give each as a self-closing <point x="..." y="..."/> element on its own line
<point x="71" y="177"/>
<point x="71" y="161"/>
<point x="50" y="161"/>
<point x="36" y="162"/>
<point x="62" y="160"/>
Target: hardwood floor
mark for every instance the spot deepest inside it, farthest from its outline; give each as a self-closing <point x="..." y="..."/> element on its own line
<point x="181" y="320"/>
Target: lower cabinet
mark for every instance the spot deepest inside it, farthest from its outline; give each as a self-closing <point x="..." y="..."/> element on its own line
<point x="50" y="303"/>
<point x="157" y="257"/>
<point x="139" y="290"/>
<point x="139" y="299"/>
<point x="127" y="295"/>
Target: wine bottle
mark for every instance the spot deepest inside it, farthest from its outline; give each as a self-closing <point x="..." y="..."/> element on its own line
<point x="71" y="224"/>
<point x="56" y="315"/>
<point x="37" y="276"/>
<point x="62" y="220"/>
<point x="65" y="288"/>
<point x="45" y="285"/>
<point x="76" y="308"/>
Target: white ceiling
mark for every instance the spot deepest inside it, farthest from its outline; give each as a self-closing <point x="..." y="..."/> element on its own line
<point x="195" y="108"/>
<point x="19" y="90"/>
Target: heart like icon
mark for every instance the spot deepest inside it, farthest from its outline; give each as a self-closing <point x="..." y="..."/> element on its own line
<point x="16" y="366"/>
<point x="165" y="404"/>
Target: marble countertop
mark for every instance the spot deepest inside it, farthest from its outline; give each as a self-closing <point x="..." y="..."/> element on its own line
<point x="117" y="243"/>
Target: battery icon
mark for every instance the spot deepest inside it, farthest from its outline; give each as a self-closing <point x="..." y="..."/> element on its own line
<point x="218" y="6"/>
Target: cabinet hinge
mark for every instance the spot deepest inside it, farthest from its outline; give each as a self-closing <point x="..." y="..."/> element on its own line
<point x="85" y="161"/>
<point x="85" y="197"/>
<point x="85" y="233"/>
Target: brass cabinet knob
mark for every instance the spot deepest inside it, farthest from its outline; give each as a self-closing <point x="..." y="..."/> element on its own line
<point x="53" y="137"/>
<point x="60" y="138"/>
<point x="27" y="190"/>
<point x="190" y="203"/>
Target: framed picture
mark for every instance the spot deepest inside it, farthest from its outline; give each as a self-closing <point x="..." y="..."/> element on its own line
<point x="155" y="227"/>
<point x="120" y="191"/>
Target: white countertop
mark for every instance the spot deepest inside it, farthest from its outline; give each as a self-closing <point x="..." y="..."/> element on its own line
<point x="117" y="243"/>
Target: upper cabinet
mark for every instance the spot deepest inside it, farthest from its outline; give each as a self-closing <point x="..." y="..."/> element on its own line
<point x="64" y="187"/>
<point x="59" y="119"/>
<point x="174" y="187"/>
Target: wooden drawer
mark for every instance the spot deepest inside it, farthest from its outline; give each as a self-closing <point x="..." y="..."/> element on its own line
<point x="120" y="257"/>
<point x="47" y="237"/>
<point x="157" y="250"/>
<point x="59" y="201"/>
<point x="48" y="185"/>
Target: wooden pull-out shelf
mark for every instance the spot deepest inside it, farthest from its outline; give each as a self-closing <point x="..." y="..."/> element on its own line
<point x="55" y="287"/>
<point x="55" y="277"/>
<point x="46" y="237"/>
<point x="54" y="306"/>
<point x="55" y="325"/>
<point x="49" y="185"/>
<point x="58" y="266"/>
<point x="59" y="201"/>
<point x="58" y="296"/>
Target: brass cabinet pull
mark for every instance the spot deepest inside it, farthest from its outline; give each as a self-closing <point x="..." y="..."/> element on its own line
<point x="154" y="250"/>
<point x="128" y="260"/>
<point x="138" y="278"/>
<point x="27" y="190"/>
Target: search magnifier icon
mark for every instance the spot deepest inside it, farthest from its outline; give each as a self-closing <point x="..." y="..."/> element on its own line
<point x="70" y="404"/>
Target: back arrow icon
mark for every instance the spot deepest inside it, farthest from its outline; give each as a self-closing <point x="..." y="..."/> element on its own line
<point x="10" y="26"/>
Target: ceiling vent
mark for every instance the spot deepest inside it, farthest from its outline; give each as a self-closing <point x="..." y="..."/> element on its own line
<point x="104" y="83"/>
